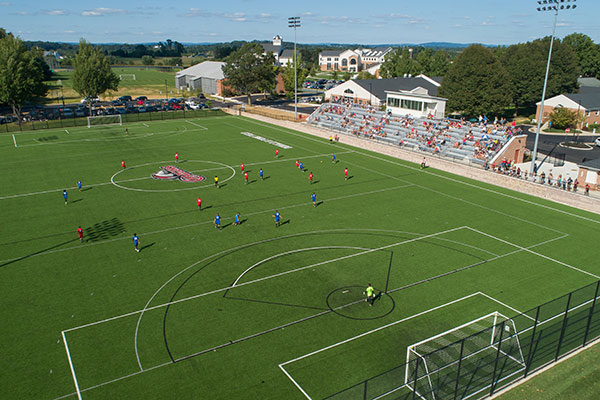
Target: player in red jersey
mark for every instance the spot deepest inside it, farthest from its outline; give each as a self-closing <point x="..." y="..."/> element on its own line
<point x="176" y="157"/>
<point x="297" y="163"/>
<point x="80" y="234"/>
<point x="245" y="177"/>
<point x="310" y="176"/>
<point x="199" y="200"/>
<point x="123" y="164"/>
<point x="346" y="173"/>
<point x="242" y="167"/>
<point x="276" y="153"/>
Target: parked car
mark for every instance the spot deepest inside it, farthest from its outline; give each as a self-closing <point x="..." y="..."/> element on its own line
<point x="176" y="106"/>
<point x="121" y="110"/>
<point x="124" y="98"/>
<point x="90" y="99"/>
<point x="79" y="113"/>
<point x="597" y="142"/>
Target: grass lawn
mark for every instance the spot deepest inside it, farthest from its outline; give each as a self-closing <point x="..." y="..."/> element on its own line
<point x="148" y="82"/>
<point x="252" y="310"/>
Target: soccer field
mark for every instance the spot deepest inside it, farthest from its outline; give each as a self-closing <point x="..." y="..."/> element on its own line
<point x="254" y="310"/>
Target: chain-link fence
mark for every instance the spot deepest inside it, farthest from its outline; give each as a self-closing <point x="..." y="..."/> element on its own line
<point x="67" y="122"/>
<point x="480" y="364"/>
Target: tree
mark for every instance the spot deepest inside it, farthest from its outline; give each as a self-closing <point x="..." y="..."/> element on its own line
<point x="563" y="118"/>
<point x="92" y="75"/>
<point x="440" y="63"/>
<point x="588" y="53"/>
<point x="288" y="74"/>
<point x="147" y="60"/>
<point x="399" y="63"/>
<point x="365" y="75"/>
<point x="21" y="74"/>
<point x="425" y="60"/>
<point x="526" y="65"/>
<point x="476" y="83"/>
<point x="248" y="70"/>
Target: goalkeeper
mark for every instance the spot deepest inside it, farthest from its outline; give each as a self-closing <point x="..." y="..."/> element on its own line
<point x="370" y="292"/>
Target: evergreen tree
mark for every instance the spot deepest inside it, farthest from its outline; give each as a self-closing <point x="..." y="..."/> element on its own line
<point x="476" y="83"/>
<point x="398" y="63"/>
<point x="588" y="53"/>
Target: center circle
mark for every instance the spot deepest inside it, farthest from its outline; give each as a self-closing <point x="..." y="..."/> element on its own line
<point x="206" y="182"/>
<point x="349" y="302"/>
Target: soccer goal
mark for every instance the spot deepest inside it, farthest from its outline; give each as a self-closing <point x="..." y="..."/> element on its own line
<point x="127" y="77"/>
<point x="465" y="360"/>
<point x="104" y="120"/>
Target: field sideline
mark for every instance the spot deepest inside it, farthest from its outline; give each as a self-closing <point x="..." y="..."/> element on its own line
<point x="251" y="310"/>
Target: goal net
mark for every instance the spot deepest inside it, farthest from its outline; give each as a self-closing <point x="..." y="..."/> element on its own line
<point x="104" y="120"/>
<point x="127" y="77"/>
<point x="466" y="360"/>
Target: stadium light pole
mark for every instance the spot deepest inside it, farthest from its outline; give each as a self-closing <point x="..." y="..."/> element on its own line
<point x="548" y="5"/>
<point x="294" y="22"/>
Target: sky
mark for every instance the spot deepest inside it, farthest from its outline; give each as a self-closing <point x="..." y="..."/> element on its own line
<point x="333" y="21"/>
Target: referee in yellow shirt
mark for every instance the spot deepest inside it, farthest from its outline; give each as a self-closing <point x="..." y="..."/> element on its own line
<point x="370" y="292"/>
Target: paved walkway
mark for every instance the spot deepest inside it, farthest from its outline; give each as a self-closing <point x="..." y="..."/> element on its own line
<point x="577" y="200"/>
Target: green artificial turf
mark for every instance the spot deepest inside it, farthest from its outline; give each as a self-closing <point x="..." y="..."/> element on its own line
<point x="224" y="309"/>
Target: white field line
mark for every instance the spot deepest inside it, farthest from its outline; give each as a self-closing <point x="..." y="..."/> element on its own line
<point x="195" y="124"/>
<point x="145" y="124"/>
<point x="265" y="241"/>
<point x="535" y="253"/>
<point x="294" y="382"/>
<point x="15" y="140"/>
<point x="71" y="366"/>
<point x="270" y="210"/>
<point x="267" y="277"/>
<point x="505" y="305"/>
<point x="66" y="130"/>
<point x="291" y="132"/>
<point x="110" y="183"/>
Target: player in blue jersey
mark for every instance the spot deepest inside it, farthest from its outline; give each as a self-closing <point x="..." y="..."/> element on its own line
<point x="260" y="173"/>
<point x="236" y="220"/>
<point x="79" y="185"/>
<point x="277" y="217"/>
<point x="136" y="242"/>
<point x="218" y="221"/>
<point x="301" y="166"/>
<point x="314" y="199"/>
<point x="65" y="195"/>
<point x="333" y="159"/>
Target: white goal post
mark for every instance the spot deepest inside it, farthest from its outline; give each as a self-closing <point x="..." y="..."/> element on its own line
<point x="127" y="77"/>
<point x="463" y="351"/>
<point x="104" y="120"/>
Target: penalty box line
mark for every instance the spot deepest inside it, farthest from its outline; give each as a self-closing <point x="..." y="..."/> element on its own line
<point x="264" y="278"/>
<point x="299" y="387"/>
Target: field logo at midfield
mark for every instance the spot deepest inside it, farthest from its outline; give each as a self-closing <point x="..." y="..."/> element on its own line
<point x="171" y="173"/>
<point x="262" y="139"/>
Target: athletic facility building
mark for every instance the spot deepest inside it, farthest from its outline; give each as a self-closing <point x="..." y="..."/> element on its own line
<point x="206" y="76"/>
<point x="416" y="96"/>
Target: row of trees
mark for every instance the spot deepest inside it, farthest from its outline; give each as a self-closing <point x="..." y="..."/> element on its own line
<point x="401" y="62"/>
<point x="482" y="80"/>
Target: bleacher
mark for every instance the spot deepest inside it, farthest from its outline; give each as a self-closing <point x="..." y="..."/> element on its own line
<point x="458" y="140"/>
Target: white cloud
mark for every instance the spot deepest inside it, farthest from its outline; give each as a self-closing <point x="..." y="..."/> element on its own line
<point x="102" y="11"/>
<point x="55" y="12"/>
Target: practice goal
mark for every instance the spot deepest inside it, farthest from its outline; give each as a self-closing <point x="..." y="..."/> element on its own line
<point x="466" y="360"/>
<point x="104" y="120"/>
<point x="127" y="77"/>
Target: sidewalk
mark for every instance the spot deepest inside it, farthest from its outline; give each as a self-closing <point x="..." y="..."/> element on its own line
<point x="577" y="200"/>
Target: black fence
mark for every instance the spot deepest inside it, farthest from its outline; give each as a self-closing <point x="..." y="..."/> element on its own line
<point x="126" y="118"/>
<point x="480" y="364"/>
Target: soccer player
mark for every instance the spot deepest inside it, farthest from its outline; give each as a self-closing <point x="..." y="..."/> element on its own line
<point x="333" y="158"/>
<point x="314" y="199"/>
<point x="276" y="153"/>
<point x="423" y="163"/>
<point x="126" y="132"/>
<point x="65" y="195"/>
<point x="236" y="220"/>
<point x="310" y="177"/>
<point x="301" y="166"/>
<point x="246" y="177"/>
<point x="199" y="200"/>
<point x="346" y="173"/>
<point x="370" y="292"/>
<point x="330" y="139"/>
<point x="217" y="221"/>
<point x="80" y="234"/>
<point x="260" y="173"/>
<point x="242" y="167"/>
<point x="176" y="157"/>
<point x="297" y="163"/>
<point x="123" y="164"/>
<point x="277" y="217"/>
<point x="79" y="185"/>
<point x="136" y="242"/>
<point x="216" y="181"/>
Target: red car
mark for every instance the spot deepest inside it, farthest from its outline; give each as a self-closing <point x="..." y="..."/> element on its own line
<point x="176" y="106"/>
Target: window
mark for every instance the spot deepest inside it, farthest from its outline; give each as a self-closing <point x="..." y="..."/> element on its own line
<point x="328" y="65"/>
<point x="393" y="102"/>
<point x="349" y="91"/>
<point x="353" y="61"/>
<point x="337" y="59"/>
<point x="328" y="58"/>
<point x="344" y="62"/>
<point x="411" y="105"/>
